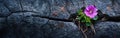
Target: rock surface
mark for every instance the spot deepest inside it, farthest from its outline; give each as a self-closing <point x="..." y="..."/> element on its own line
<point x="107" y="30"/>
<point x="17" y="18"/>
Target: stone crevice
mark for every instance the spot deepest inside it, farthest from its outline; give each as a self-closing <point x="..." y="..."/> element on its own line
<point x="50" y="18"/>
<point x="114" y="19"/>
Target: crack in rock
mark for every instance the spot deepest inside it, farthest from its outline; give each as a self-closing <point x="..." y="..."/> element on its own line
<point x="72" y="16"/>
<point x="50" y="18"/>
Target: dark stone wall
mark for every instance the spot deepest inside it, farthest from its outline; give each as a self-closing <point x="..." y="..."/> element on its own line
<point x="30" y="18"/>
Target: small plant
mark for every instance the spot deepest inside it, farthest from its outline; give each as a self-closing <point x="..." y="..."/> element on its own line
<point x="86" y="16"/>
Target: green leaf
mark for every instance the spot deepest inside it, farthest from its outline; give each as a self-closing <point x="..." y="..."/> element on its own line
<point x="80" y="12"/>
<point x="83" y="20"/>
<point x="88" y="19"/>
<point x="80" y="17"/>
<point x="88" y="24"/>
<point x="96" y="17"/>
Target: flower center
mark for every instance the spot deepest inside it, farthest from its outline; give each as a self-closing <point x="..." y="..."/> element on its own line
<point x="91" y="11"/>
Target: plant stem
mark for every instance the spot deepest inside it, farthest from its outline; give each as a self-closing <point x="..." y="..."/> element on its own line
<point x="86" y="29"/>
<point x="82" y="30"/>
<point x="92" y="27"/>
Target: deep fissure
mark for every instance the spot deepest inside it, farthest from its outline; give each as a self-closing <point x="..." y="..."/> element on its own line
<point x="50" y="18"/>
<point x="73" y="16"/>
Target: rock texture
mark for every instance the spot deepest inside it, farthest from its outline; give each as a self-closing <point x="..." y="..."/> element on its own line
<point x="107" y="30"/>
<point x="31" y="18"/>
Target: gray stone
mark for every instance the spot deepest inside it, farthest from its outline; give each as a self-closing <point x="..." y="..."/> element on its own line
<point x="116" y="7"/>
<point x="17" y="18"/>
<point x="58" y="9"/>
<point x="4" y="11"/>
<point x="107" y="30"/>
<point x="74" y="5"/>
<point x="41" y="7"/>
<point x="12" y="5"/>
<point x="23" y="18"/>
<point x="24" y="25"/>
<point x="59" y="29"/>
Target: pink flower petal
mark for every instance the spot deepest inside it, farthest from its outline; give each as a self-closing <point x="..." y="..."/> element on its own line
<point x="91" y="11"/>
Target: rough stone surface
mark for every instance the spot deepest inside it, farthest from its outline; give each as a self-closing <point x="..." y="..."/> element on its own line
<point x="3" y="11"/>
<point x="17" y="18"/>
<point x="23" y="24"/>
<point x="12" y="5"/>
<point x="41" y="7"/>
<point x="59" y="29"/>
<point x="107" y="30"/>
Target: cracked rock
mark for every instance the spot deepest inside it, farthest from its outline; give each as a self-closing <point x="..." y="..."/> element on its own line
<point x="24" y="25"/>
<point x="59" y="29"/>
<point x="46" y="18"/>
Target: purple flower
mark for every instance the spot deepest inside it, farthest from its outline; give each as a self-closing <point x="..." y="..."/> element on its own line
<point x="91" y="11"/>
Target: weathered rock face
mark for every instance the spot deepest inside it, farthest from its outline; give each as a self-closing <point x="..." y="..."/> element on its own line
<point x="31" y="18"/>
<point x="107" y="30"/>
